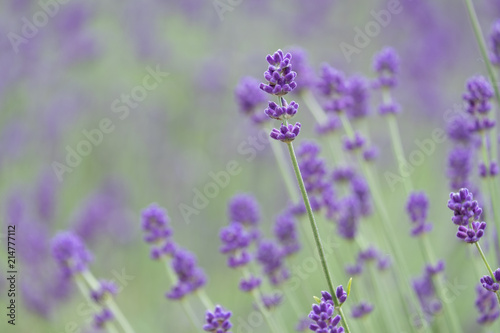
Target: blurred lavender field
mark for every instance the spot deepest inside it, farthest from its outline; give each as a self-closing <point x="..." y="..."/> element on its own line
<point x="110" y="106"/>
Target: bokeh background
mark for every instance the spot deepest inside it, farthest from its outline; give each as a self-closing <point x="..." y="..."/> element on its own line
<point x="64" y="79"/>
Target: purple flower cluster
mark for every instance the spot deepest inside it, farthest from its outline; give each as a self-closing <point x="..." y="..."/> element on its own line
<point x="386" y="65"/>
<point x="249" y="98"/>
<point x="102" y="317"/>
<point x="244" y="209"/>
<point x="70" y="253"/>
<point x="280" y="81"/>
<point x="426" y="292"/>
<point x="331" y="124"/>
<point x="359" y="92"/>
<point x="417" y="207"/>
<point x="235" y="240"/>
<point x="157" y="231"/>
<point x="250" y="283"/>
<point x="272" y="300"/>
<point x="495" y="43"/>
<point x="362" y="309"/>
<point x="280" y="77"/>
<point x="333" y="86"/>
<point x="366" y="256"/>
<point x="218" y="321"/>
<point x="322" y="315"/>
<point x="477" y="97"/>
<point x="106" y="288"/>
<point x="487" y="305"/>
<point x="285" y="232"/>
<point x="491" y="284"/>
<point x="466" y="213"/>
<point x="271" y="257"/>
<point x="355" y="143"/>
<point x="459" y="167"/>
<point x="190" y="277"/>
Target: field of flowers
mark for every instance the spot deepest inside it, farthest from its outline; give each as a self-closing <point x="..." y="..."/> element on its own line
<point x="249" y="166"/>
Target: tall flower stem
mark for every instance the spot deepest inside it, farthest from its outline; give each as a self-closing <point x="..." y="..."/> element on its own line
<point x="120" y="317"/>
<point x="317" y="238"/>
<point x="490" y="271"/>
<point x="205" y="300"/>
<point x="185" y="305"/>
<point x="256" y="295"/>
<point x="489" y="67"/>
<point x="84" y="290"/>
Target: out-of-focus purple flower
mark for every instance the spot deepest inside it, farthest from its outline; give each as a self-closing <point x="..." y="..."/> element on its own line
<point x="102" y="317"/>
<point x="361" y="190"/>
<point x="389" y="108"/>
<point x="323" y="316"/>
<point x="348" y="219"/>
<point x="485" y="172"/>
<point x="286" y="111"/>
<point x="458" y="130"/>
<point x="386" y="65"/>
<point x="478" y="95"/>
<point x="106" y="288"/>
<point x="436" y="269"/>
<point x="362" y="309"/>
<point x="417" y="207"/>
<point x="70" y="253"/>
<point x="218" y="321"/>
<point x="250" y="283"/>
<point x="157" y="231"/>
<point x="424" y="288"/>
<point x="272" y="300"/>
<point x="343" y="174"/>
<point x="355" y="143"/>
<point x="332" y="84"/>
<point x="487" y="305"/>
<point x="305" y="74"/>
<point x="271" y="258"/>
<point x="244" y="209"/>
<point x="248" y="95"/>
<point x="332" y="124"/>
<point x="357" y="87"/>
<point x="383" y="262"/>
<point x="370" y="254"/>
<point x="353" y="270"/>
<point x="15" y="208"/>
<point x="495" y="43"/>
<point x="235" y="242"/>
<point x="279" y="75"/>
<point x="45" y="196"/>
<point x="286" y="133"/>
<point x="459" y="167"/>
<point x="464" y="207"/>
<point x="285" y="232"/>
<point x="303" y="324"/>
<point x="190" y="276"/>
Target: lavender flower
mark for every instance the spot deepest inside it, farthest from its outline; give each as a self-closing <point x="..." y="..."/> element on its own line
<point x="333" y="86"/>
<point x="357" y="87"/>
<point x="458" y="130"/>
<point x="332" y="124"/>
<point x="286" y="234"/>
<point x="235" y="242"/>
<point x="348" y="220"/>
<point x="305" y="74"/>
<point x="417" y="207"/>
<point x="322" y="315"/>
<point x="362" y="309"/>
<point x="279" y="74"/>
<point x="106" y="288"/>
<point x="218" y="321"/>
<point x="341" y="294"/>
<point x="426" y="293"/>
<point x="244" y="209"/>
<point x="190" y="277"/>
<point x="70" y="253"/>
<point x="248" y="95"/>
<point x="370" y="154"/>
<point x="353" y="270"/>
<point x="473" y="233"/>
<point x="491" y="284"/>
<point x="485" y="172"/>
<point x="102" y="317"/>
<point x="355" y="143"/>
<point x="361" y="191"/>
<point x="157" y="231"/>
<point x="389" y="108"/>
<point x="286" y="133"/>
<point x="249" y="284"/>
<point x="271" y="258"/>
<point x="495" y="43"/>
<point x="464" y="207"/>
<point x="386" y="64"/>
<point x="286" y="111"/>
<point x="272" y="300"/>
<point x="478" y="96"/>
<point x="459" y="167"/>
<point x="487" y="305"/>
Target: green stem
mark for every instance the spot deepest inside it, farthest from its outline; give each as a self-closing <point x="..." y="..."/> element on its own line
<point x="314" y="107"/>
<point x="489" y="67"/>
<point x="315" y="231"/>
<point x="207" y="302"/>
<point x="488" y="267"/>
<point x="120" y="317"/>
